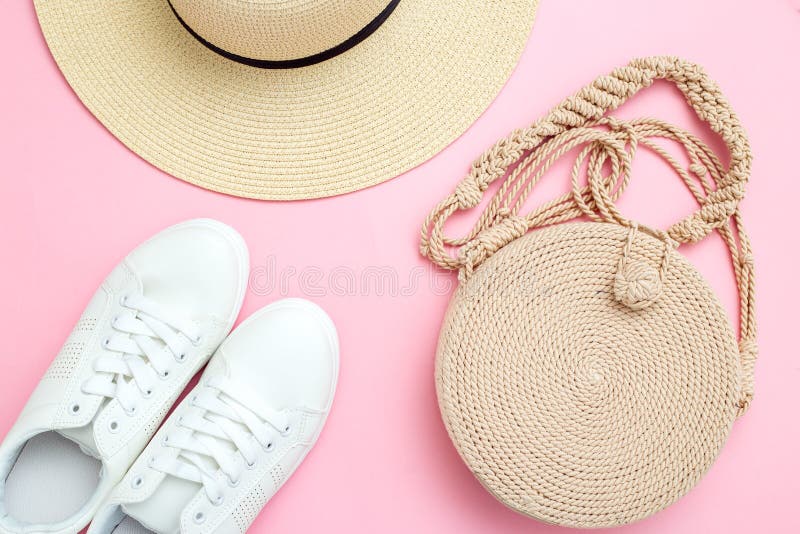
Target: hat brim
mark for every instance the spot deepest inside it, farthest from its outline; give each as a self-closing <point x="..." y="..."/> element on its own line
<point x="358" y="119"/>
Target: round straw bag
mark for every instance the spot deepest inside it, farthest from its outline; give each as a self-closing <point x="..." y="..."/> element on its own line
<point x="586" y="372"/>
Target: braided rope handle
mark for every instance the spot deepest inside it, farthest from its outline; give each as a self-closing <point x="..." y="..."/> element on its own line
<point x="579" y="121"/>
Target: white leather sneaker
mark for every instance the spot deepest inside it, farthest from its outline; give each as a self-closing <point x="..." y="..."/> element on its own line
<point x="152" y="324"/>
<point x="235" y="439"/>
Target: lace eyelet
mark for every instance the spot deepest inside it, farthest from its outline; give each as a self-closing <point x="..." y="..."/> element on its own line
<point x="199" y="517"/>
<point x="106" y="342"/>
<point x="137" y="482"/>
<point x="219" y="502"/>
<point x="123" y="301"/>
<point x="197" y="340"/>
<point x="75" y="408"/>
<point x="164" y="375"/>
<point x="152" y="461"/>
<point x="234" y="483"/>
<point x="147" y="394"/>
<point x="113" y="426"/>
<point x="250" y="465"/>
<point x="287" y="430"/>
<point x="131" y="412"/>
<point x="115" y="320"/>
<point x="181" y="357"/>
<point x="270" y="446"/>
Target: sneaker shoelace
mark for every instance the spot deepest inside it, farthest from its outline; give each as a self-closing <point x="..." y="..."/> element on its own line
<point x="146" y="343"/>
<point x="222" y="431"/>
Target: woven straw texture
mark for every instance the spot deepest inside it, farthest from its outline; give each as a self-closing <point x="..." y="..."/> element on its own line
<point x="363" y="117"/>
<point x="586" y="372"/>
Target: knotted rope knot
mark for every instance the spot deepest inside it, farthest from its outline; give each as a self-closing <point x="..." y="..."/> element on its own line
<point x="616" y="124"/>
<point x="746" y="261"/>
<point x="425" y="248"/>
<point x="744" y="404"/>
<point x="489" y="241"/>
<point x="748" y="351"/>
<point x="710" y="217"/>
<point x="690" y="230"/>
<point x="637" y="284"/>
<point x="698" y="169"/>
<point x="468" y="194"/>
<point x="502" y="214"/>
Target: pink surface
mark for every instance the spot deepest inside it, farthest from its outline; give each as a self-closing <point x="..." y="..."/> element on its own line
<point x="75" y="201"/>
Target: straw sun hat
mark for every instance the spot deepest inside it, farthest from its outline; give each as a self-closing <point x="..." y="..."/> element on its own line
<point x="286" y="99"/>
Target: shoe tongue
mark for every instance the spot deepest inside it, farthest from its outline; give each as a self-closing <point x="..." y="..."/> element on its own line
<point x="84" y="437"/>
<point x="161" y="512"/>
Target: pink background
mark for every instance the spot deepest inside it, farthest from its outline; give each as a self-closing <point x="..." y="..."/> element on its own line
<point x="75" y="201"/>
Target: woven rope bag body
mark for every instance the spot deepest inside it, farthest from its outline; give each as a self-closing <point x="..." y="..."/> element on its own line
<point x="586" y="372"/>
